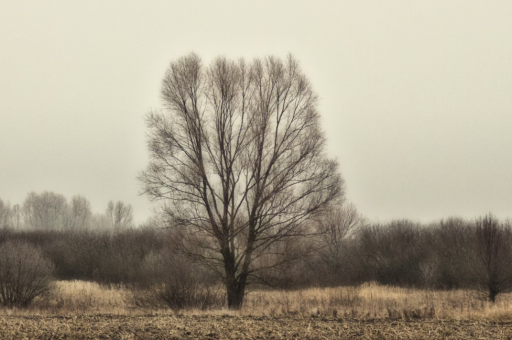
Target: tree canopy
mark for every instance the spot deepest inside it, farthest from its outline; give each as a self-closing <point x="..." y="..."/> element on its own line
<point x="238" y="160"/>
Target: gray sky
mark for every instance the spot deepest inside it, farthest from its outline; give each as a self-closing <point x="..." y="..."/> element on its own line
<point x="416" y="96"/>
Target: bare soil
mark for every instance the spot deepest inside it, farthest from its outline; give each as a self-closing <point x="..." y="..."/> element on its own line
<point x="244" y="327"/>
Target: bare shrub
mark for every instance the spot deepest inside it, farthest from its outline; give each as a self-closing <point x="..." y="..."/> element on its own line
<point x="179" y="296"/>
<point x="24" y="274"/>
<point x="178" y="284"/>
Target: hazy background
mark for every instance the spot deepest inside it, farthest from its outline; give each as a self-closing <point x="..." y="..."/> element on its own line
<point x="416" y="97"/>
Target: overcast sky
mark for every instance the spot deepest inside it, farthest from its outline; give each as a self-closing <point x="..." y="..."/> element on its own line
<point x="416" y="96"/>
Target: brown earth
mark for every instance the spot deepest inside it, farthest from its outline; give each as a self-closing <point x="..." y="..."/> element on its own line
<point x="244" y="327"/>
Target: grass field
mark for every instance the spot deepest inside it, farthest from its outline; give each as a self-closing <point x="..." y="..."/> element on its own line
<point x="88" y="310"/>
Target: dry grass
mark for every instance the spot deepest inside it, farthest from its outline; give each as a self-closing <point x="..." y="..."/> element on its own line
<point x="371" y="300"/>
<point x="88" y="310"/>
<point x="368" y="301"/>
<point x="78" y="297"/>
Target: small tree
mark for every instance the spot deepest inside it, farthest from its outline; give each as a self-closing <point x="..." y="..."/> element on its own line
<point x="335" y="227"/>
<point x="494" y="254"/>
<point x="24" y="273"/>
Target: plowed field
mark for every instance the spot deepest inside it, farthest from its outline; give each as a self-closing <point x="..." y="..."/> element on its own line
<point x="243" y="327"/>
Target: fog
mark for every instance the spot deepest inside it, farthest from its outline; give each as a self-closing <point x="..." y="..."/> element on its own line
<point x="415" y="97"/>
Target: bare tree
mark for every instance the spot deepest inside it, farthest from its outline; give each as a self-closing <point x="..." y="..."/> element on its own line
<point x="79" y="214"/>
<point x="101" y="222"/>
<point x="44" y="211"/>
<point x="16" y="217"/>
<point x="335" y="227"/>
<point x="237" y="158"/>
<point x="120" y="215"/>
<point x="5" y="215"/>
<point x="392" y="253"/>
<point x="494" y="253"/>
<point x="452" y="248"/>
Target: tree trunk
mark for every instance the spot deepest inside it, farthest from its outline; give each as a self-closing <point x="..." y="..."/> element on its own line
<point x="235" y="286"/>
<point x="235" y="296"/>
<point x="493" y="292"/>
<point x="235" y="291"/>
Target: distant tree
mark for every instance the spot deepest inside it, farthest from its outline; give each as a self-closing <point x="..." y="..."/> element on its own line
<point x="101" y="222"/>
<point x="78" y="214"/>
<point x="334" y="229"/>
<point x="5" y="215"/>
<point x="452" y="248"/>
<point x="237" y="158"/>
<point x="17" y="217"/>
<point x="44" y="211"/>
<point x="120" y="215"/>
<point x="494" y="254"/>
<point x="393" y="253"/>
<point x="337" y="224"/>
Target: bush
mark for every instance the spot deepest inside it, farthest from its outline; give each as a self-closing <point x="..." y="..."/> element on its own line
<point x="179" y="295"/>
<point x="175" y="282"/>
<point x="24" y="274"/>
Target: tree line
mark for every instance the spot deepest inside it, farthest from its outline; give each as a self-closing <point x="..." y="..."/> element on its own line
<point x="453" y="253"/>
<point x="347" y="250"/>
<point x="52" y="211"/>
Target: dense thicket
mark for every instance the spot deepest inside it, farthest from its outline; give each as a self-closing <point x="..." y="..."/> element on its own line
<point x="448" y="254"/>
<point x="103" y="257"/>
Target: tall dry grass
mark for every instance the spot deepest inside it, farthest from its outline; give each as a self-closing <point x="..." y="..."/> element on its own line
<point x="78" y="297"/>
<point x="369" y="300"/>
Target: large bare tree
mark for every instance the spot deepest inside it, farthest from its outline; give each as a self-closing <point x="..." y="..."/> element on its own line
<point x="238" y="160"/>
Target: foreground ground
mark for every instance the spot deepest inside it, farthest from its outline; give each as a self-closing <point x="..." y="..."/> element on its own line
<point x="86" y="310"/>
<point x="243" y="327"/>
